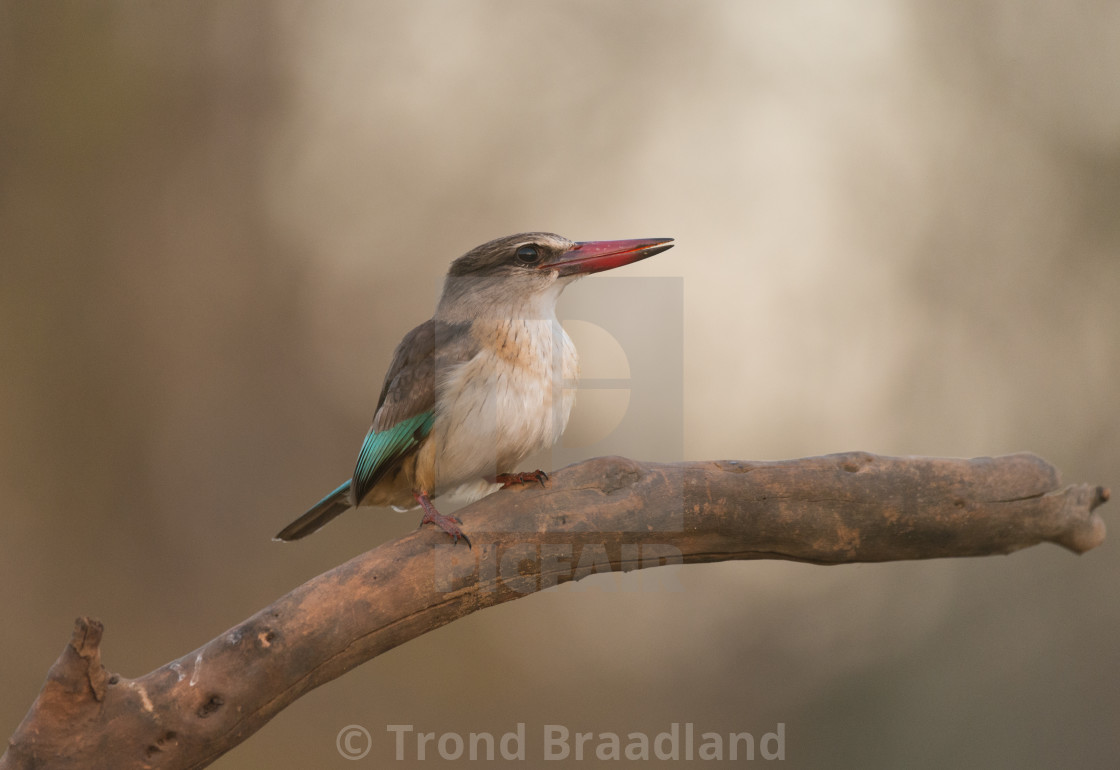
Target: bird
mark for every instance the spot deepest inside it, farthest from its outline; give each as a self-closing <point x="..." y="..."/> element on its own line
<point x="483" y="384"/>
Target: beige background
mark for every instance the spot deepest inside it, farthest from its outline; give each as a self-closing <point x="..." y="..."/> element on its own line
<point x="898" y="232"/>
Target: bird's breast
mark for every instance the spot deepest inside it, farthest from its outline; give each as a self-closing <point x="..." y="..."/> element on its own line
<point x="511" y="399"/>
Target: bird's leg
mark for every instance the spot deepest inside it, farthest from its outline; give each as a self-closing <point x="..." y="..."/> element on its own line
<point x="448" y="524"/>
<point x="507" y="480"/>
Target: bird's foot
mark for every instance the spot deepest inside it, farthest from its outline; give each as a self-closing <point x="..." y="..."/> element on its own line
<point x="507" y="480"/>
<point x="448" y="524"/>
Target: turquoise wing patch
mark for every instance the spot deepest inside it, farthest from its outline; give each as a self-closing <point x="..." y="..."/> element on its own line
<point x="382" y="448"/>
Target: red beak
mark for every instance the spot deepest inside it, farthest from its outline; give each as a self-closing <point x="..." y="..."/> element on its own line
<point x="596" y="256"/>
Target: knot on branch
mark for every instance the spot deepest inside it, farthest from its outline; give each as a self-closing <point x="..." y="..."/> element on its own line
<point x="614" y="473"/>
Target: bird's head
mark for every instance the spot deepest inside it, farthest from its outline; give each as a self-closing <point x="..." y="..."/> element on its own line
<point x="528" y="268"/>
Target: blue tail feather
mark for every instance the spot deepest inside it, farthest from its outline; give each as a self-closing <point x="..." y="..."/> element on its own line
<point x="318" y="515"/>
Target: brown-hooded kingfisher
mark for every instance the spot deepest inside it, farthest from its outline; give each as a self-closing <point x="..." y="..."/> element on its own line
<point x="485" y="383"/>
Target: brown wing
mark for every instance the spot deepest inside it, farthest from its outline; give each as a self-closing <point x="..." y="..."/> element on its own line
<point x="406" y="409"/>
<point x="410" y="383"/>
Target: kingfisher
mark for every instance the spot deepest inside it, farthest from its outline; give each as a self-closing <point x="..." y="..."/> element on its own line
<point x="485" y="383"/>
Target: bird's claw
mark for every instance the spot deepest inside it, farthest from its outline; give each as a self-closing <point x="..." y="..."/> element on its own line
<point x="448" y="524"/>
<point x="508" y="480"/>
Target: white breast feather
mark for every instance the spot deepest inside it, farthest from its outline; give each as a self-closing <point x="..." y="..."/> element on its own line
<point x="494" y="412"/>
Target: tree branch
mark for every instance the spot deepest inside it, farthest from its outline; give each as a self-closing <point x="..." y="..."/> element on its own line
<point x="601" y="515"/>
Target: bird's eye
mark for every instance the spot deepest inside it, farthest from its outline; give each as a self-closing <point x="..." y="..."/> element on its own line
<point x="528" y="254"/>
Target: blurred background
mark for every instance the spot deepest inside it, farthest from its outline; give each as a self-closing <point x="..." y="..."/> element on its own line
<point x="898" y="231"/>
